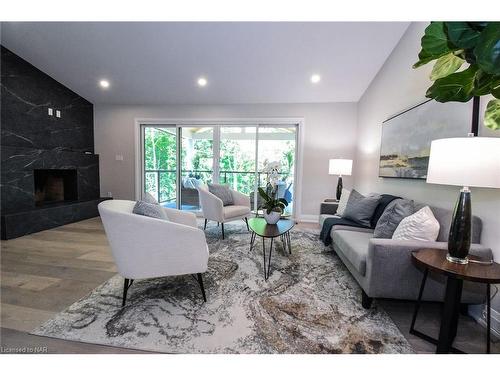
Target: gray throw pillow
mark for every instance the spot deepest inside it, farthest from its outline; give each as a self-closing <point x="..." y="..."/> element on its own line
<point x="149" y="209"/>
<point x="222" y="192"/>
<point x="148" y="198"/>
<point x="396" y="211"/>
<point x="360" y="209"/>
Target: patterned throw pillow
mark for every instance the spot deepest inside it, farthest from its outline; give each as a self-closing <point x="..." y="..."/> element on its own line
<point x="421" y="226"/>
<point x="343" y="201"/>
<point x="148" y="198"/>
<point x="396" y="211"/>
<point x="222" y="192"/>
<point x="360" y="209"/>
<point x="149" y="209"/>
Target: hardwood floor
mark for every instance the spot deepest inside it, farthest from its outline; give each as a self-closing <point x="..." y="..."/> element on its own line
<point x="45" y="272"/>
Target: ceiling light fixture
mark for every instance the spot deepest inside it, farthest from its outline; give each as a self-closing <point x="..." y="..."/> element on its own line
<point x="104" y="84"/>
<point x="202" y="82"/>
<point x="315" y="78"/>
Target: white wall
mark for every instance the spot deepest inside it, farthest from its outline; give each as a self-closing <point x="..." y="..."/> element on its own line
<point x="329" y="131"/>
<point x="397" y="86"/>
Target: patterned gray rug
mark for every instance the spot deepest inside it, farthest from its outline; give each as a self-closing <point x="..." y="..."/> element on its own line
<point x="310" y="304"/>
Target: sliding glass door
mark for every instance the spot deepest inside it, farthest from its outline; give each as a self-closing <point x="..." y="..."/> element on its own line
<point x="278" y="144"/>
<point x="160" y="163"/>
<point x="177" y="159"/>
<point x="197" y="160"/>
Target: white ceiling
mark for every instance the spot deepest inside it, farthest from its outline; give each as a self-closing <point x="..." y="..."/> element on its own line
<point x="159" y="63"/>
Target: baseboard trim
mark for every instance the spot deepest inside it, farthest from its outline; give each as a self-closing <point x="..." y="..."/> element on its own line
<point x="479" y="315"/>
<point x="309" y="218"/>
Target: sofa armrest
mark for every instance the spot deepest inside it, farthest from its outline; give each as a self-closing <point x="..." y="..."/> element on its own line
<point x="390" y="247"/>
<point x="390" y="272"/>
<point x="329" y="208"/>
<point x="181" y="217"/>
<point x="211" y="205"/>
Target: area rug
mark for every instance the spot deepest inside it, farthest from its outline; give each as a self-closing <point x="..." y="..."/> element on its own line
<point x="309" y="304"/>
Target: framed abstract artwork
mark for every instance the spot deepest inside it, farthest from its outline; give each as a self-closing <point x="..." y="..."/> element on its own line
<point x="407" y="136"/>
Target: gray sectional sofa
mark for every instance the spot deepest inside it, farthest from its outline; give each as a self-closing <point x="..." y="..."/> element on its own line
<point x="383" y="267"/>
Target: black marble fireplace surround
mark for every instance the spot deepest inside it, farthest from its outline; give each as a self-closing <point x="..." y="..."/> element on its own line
<point x="60" y="150"/>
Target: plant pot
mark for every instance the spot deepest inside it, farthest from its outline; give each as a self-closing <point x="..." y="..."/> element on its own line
<point x="273" y="217"/>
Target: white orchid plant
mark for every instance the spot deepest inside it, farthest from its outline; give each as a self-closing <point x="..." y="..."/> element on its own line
<point x="272" y="170"/>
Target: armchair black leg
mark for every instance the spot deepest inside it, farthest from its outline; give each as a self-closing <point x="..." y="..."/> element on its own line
<point x="246" y="221"/>
<point x="127" y="283"/>
<point x="205" y="226"/>
<point x="366" y="301"/>
<point x="222" y="225"/>
<point x="200" y="281"/>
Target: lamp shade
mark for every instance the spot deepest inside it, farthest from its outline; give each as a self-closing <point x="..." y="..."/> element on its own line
<point x="340" y="167"/>
<point x="471" y="161"/>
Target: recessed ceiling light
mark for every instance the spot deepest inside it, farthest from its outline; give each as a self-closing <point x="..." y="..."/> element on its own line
<point x="104" y="84"/>
<point x="202" y="81"/>
<point x="315" y="78"/>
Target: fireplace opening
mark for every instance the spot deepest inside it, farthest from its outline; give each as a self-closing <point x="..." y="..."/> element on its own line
<point x="55" y="185"/>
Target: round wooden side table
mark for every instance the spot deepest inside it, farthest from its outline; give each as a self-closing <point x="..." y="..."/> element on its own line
<point x="434" y="260"/>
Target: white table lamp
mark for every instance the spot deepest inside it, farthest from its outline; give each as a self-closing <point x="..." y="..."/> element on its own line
<point x="466" y="162"/>
<point x="340" y="167"/>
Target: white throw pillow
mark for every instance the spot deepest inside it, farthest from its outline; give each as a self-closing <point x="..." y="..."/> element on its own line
<point x="343" y="201"/>
<point x="421" y="226"/>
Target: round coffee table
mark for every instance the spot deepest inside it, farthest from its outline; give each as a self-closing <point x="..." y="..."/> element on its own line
<point x="259" y="227"/>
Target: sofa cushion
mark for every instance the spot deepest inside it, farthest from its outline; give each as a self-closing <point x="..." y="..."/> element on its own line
<point x="354" y="246"/>
<point x="344" y="197"/>
<point x="234" y="211"/>
<point x="360" y="209"/>
<point x="222" y="192"/>
<point x="421" y="226"/>
<point x="395" y="212"/>
<point x="384" y="202"/>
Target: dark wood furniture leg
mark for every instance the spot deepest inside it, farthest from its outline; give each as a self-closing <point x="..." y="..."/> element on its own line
<point x="127" y="283"/>
<point x="449" y="318"/>
<point x="222" y="225"/>
<point x="246" y="222"/>
<point x="366" y="301"/>
<point x="205" y="226"/>
<point x="488" y="318"/>
<point x="200" y="281"/>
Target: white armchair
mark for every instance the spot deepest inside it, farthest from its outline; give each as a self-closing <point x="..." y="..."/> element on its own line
<point x="213" y="209"/>
<point x="145" y="247"/>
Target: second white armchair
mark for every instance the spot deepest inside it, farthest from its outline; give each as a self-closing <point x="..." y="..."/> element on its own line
<point x="213" y="208"/>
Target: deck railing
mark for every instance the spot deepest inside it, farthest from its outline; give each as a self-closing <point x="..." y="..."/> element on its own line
<point x="223" y="178"/>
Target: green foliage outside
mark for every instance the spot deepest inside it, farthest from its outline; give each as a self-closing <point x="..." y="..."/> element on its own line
<point x="160" y="154"/>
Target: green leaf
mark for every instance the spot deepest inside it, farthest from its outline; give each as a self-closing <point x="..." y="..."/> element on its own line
<point x="492" y="115"/>
<point x="284" y="201"/>
<point x="462" y="34"/>
<point x="264" y="195"/>
<point x="495" y="87"/>
<point x="456" y="87"/>
<point x="446" y="65"/>
<point x="424" y="58"/>
<point x="435" y="41"/>
<point x="485" y="83"/>
<point x="487" y="50"/>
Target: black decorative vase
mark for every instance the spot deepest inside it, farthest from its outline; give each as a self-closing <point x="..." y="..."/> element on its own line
<point x="339" y="187"/>
<point x="460" y="229"/>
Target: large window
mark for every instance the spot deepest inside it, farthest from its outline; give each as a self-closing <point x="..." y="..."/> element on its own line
<point x="177" y="159"/>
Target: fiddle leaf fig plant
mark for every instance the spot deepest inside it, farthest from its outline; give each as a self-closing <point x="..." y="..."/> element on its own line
<point x="467" y="63"/>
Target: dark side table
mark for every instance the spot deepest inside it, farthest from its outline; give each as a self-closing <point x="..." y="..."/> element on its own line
<point x="259" y="227"/>
<point x="434" y="260"/>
